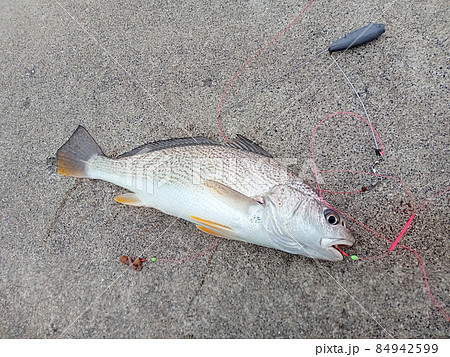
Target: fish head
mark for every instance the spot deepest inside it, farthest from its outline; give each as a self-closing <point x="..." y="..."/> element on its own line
<point x="298" y="222"/>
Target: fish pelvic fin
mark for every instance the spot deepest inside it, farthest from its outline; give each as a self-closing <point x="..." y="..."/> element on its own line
<point x="73" y="156"/>
<point x="209" y="231"/>
<point x="216" y="229"/>
<point x="129" y="199"/>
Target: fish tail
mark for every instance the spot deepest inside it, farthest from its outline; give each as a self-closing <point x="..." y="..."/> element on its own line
<point x="74" y="155"/>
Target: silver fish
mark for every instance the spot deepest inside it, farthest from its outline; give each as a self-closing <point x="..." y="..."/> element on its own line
<point x="235" y="191"/>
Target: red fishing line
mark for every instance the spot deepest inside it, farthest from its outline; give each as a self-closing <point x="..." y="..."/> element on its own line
<point x="223" y="97"/>
<point x="320" y="123"/>
<point x="402" y="233"/>
<point x="422" y="265"/>
<point x="408" y="223"/>
<point x="316" y="172"/>
<point x="364" y="173"/>
<point x="250" y="60"/>
<point x="337" y="247"/>
<point x="216" y="242"/>
<point x="443" y="192"/>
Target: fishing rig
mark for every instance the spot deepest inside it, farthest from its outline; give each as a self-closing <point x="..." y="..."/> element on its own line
<point x="353" y="39"/>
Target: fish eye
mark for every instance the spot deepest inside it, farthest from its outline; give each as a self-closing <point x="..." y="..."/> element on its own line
<point x="331" y="216"/>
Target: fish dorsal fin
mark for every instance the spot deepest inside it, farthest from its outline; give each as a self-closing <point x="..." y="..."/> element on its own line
<point x="247" y="145"/>
<point x="241" y="143"/>
<point x="167" y="144"/>
<point x="230" y="196"/>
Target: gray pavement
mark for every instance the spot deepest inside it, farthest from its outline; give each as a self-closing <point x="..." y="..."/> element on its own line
<point x="137" y="71"/>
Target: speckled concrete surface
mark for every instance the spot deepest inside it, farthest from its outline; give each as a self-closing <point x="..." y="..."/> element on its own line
<point x="133" y="72"/>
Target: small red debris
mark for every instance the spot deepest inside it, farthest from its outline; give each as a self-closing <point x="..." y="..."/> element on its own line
<point x="136" y="264"/>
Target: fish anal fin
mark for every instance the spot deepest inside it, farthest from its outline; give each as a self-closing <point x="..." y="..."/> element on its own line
<point x="129" y="199"/>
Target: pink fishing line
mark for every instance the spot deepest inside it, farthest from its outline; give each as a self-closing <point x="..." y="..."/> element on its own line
<point x="422" y="265"/>
<point x="320" y="123"/>
<point x="194" y="256"/>
<point x="368" y="228"/>
<point x="250" y="60"/>
<point x="402" y="233"/>
<point x="364" y="173"/>
<point x="443" y="192"/>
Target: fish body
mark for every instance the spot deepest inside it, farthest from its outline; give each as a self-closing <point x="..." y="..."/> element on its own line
<point x="234" y="191"/>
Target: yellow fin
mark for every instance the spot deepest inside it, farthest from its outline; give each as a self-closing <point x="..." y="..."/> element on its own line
<point x="129" y="199"/>
<point x="214" y="228"/>
<point x="210" y="231"/>
<point x="210" y="223"/>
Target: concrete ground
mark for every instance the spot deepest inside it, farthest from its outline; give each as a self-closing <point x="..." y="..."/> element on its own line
<point x="137" y="71"/>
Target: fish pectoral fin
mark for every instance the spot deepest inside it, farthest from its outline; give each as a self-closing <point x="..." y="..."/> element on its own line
<point x="230" y="196"/>
<point x="129" y="199"/>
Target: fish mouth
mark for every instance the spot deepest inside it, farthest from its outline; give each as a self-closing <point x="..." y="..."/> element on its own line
<point x="333" y="245"/>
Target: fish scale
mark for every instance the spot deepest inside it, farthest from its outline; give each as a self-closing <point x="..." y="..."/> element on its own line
<point x="246" y="172"/>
